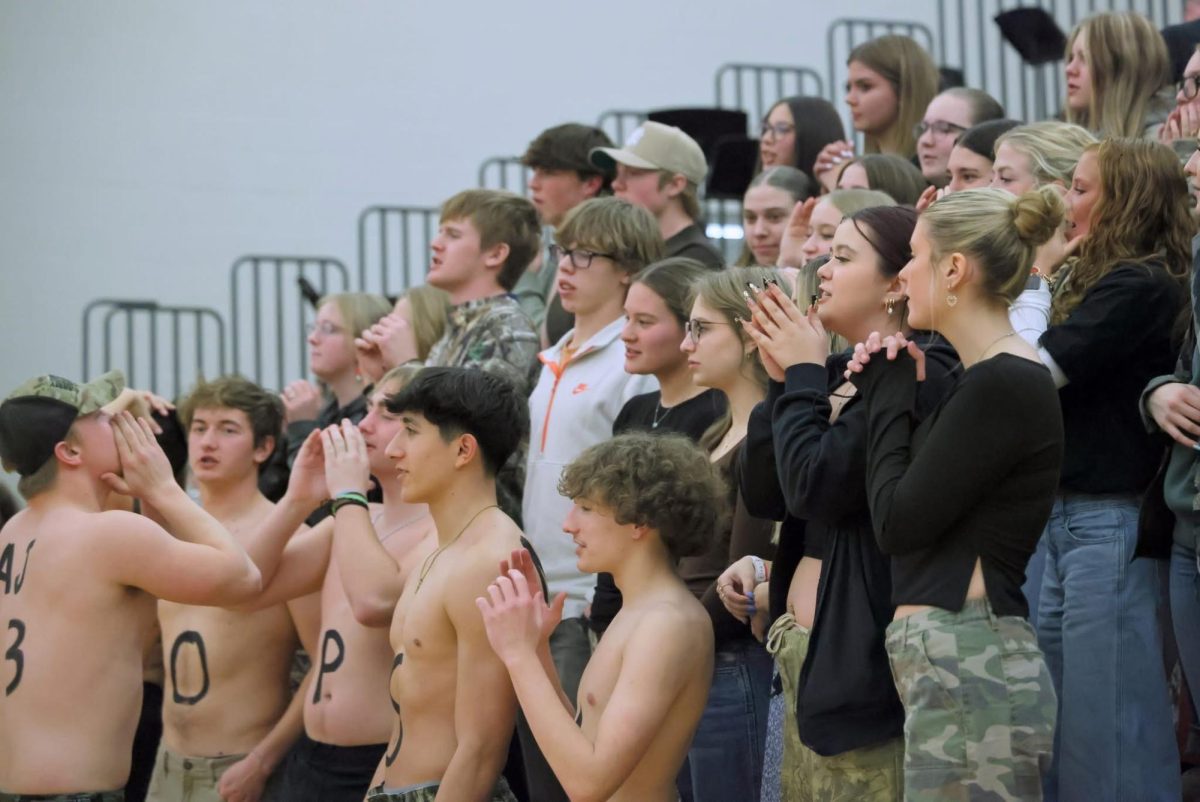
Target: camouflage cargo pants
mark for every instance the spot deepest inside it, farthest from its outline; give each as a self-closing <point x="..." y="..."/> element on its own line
<point x="870" y="774"/>
<point x="427" y="792"/>
<point x="979" y="705"/>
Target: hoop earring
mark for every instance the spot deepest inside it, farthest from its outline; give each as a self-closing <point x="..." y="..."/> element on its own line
<point x="951" y="299"/>
<point x="891" y="306"/>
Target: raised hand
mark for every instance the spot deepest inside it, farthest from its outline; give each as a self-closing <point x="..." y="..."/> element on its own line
<point x="145" y="470"/>
<point x="306" y="484"/>
<point x="795" y="234"/>
<point x="780" y="329"/>
<point x="347" y="468"/>
<point x="831" y="157"/>
<point x="301" y="401"/>
<point x="512" y="617"/>
<point x="522" y="561"/>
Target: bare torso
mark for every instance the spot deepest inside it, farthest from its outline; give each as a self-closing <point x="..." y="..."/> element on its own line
<point x="653" y="778"/>
<point x="71" y="649"/>
<point x="346" y="701"/>
<point x="227" y="672"/>
<point x="425" y="666"/>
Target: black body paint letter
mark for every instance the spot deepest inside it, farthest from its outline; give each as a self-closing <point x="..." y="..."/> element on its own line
<point x="15" y="654"/>
<point x="328" y="666"/>
<point x="193" y="637"/>
<point x="388" y="760"/>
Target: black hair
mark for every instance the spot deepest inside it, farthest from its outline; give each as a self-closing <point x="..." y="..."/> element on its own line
<point x="981" y="139"/>
<point x="468" y="401"/>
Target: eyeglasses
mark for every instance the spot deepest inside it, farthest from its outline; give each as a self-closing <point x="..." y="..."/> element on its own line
<point x="580" y="258"/>
<point x="1189" y="87"/>
<point x="324" y="327"/>
<point x="696" y="327"/>
<point x="777" y="129"/>
<point x="939" y="128"/>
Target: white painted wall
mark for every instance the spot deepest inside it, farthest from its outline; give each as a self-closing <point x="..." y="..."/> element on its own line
<point x="145" y="145"/>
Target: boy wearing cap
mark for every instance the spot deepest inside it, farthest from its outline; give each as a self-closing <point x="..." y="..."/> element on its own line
<point x="78" y="584"/>
<point x="636" y="504"/>
<point x="661" y="169"/>
<point x="562" y="176"/>
<point x="229" y="715"/>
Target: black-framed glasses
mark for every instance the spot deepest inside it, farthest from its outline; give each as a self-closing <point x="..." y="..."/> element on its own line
<point x="696" y="327"/>
<point x="776" y="129"/>
<point x="581" y="259"/>
<point x="1189" y="86"/>
<point x="939" y="128"/>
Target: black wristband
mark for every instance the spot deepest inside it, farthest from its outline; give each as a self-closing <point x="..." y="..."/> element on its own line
<point x="345" y="501"/>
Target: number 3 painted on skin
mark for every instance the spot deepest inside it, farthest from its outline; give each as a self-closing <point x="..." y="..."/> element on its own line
<point x="15" y="654"/>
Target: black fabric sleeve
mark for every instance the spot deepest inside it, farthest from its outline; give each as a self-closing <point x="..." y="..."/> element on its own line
<point x="974" y="442"/>
<point x="759" y="484"/>
<point x="1111" y="324"/>
<point x="817" y="461"/>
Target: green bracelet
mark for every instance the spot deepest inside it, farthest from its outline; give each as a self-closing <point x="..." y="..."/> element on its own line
<point x="348" y="501"/>
<point x="354" y="494"/>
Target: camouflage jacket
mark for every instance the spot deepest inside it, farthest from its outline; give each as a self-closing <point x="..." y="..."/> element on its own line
<point x="492" y="334"/>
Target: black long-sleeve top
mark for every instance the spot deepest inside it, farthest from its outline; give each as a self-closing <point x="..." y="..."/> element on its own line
<point x="973" y="481"/>
<point x="797" y="463"/>
<point x="1120" y="336"/>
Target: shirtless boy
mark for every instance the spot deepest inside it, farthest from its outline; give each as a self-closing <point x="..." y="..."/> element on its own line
<point x="639" y="503"/>
<point x="358" y="563"/>
<point x="455" y="704"/>
<point x="78" y="584"/>
<point x="227" y="685"/>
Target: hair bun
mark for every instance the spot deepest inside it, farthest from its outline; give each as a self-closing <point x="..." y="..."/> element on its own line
<point x="1037" y="214"/>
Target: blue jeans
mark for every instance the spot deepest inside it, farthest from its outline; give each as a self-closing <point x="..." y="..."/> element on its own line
<point x="1035" y="572"/>
<point x="1185" y="617"/>
<point x="726" y="757"/>
<point x="1098" y="626"/>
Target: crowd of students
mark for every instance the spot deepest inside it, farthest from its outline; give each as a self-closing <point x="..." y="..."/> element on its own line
<point x="903" y="505"/>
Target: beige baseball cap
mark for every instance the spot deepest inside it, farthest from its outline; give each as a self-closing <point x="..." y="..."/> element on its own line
<point x="654" y="146"/>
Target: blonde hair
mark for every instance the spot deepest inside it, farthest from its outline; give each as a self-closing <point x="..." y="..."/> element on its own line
<point x="1001" y="232"/>
<point x="359" y="310"/>
<point x="613" y="226"/>
<point x="690" y="197"/>
<point x="1142" y="215"/>
<point x="402" y="374"/>
<point x="1128" y="63"/>
<point x="914" y="77"/>
<point x="429" y="308"/>
<point x="723" y="291"/>
<point x="1053" y="148"/>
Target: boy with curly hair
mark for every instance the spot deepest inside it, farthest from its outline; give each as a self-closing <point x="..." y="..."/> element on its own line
<point x="639" y="503"/>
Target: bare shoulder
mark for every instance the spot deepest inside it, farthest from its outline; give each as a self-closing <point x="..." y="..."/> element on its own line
<point x="676" y="620"/>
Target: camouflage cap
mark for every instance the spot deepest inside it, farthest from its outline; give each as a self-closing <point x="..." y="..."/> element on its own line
<point x="36" y="416"/>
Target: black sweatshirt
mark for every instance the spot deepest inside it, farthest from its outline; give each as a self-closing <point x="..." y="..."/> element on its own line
<point x="846" y="697"/>
<point x="974" y="480"/>
<point x="1119" y="337"/>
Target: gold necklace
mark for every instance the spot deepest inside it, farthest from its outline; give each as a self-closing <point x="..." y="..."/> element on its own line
<point x="427" y="566"/>
<point x="994" y="343"/>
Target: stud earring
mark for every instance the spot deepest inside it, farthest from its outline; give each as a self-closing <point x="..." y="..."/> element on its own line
<point x="951" y="299"/>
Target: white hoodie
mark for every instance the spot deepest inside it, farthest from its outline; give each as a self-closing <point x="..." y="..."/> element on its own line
<point x="572" y="407"/>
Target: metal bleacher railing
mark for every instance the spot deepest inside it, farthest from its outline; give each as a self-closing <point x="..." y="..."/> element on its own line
<point x="968" y="39"/>
<point x="271" y="306"/>
<point x="393" y="247"/>
<point x="269" y="311"/>
<point x="158" y="347"/>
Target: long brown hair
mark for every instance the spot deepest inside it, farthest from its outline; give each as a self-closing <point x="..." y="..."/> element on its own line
<point x="1142" y="216"/>
<point x="1128" y="63"/>
<point x="914" y="78"/>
